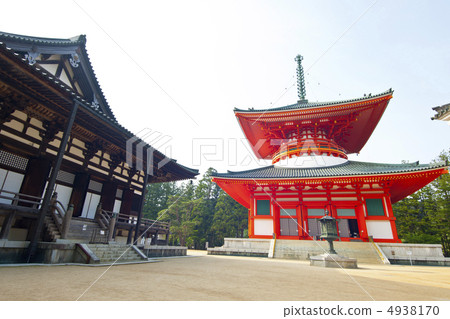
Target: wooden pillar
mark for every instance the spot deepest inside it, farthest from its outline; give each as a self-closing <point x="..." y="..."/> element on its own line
<point x="51" y="183"/>
<point x="80" y="187"/>
<point x="7" y="224"/>
<point x="35" y="177"/>
<point x="130" y="234"/>
<point x="112" y="226"/>
<point x="251" y="214"/>
<point x="108" y="196"/>
<point x="127" y="201"/>
<point x="360" y="215"/>
<point x="141" y="206"/>
<point x="302" y="220"/>
<point x="392" y="218"/>
<point x="66" y="222"/>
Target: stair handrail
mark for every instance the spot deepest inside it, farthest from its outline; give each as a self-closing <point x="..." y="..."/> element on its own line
<point x="57" y="211"/>
<point x="380" y="253"/>
<point x="104" y="218"/>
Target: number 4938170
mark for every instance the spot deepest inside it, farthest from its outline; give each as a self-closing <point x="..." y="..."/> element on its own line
<point x="413" y="310"/>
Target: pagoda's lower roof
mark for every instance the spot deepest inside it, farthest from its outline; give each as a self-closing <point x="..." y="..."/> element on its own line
<point x="350" y="168"/>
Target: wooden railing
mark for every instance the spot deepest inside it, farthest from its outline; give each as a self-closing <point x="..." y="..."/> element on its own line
<point x="19" y="199"/>
<point x="99" y="236"/>
<point x="105" y="217"/>
<point x="56" y="210"/>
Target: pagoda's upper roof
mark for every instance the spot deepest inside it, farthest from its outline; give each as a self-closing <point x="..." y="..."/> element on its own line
<point x="349" y="123"/>
<point x="305" y="104"/>
<point x="350" y="168"/>
<point x="66" y="59"/>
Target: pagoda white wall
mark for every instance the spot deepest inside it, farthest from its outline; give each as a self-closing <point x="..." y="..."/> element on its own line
<point x="308" y="161"/>
<point x="263" y="227"/>
<point x="379" y="229"/>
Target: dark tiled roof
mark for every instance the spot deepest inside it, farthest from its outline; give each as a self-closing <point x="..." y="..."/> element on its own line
<point x="80" y="39"/>
<point x="306" y="104"/>
<point x="350" y="168"/>
<point x="441" y="111"/>
<point x="22" y="43"/>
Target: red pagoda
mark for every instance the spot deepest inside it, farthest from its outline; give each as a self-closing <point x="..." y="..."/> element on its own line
<point x="311" y="175"/>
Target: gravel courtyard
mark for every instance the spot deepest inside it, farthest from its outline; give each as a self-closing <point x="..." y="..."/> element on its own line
<point x="202" y="277"/>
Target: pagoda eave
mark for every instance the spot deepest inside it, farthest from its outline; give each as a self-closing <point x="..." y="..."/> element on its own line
<point x="398" y="185"/>
<point x="349" y="124"/>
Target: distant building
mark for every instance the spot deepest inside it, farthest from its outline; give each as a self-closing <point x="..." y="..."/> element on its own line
<point x="442" y="113"/>
<point x="311" y="175"/>
<point x="44" y="84"/>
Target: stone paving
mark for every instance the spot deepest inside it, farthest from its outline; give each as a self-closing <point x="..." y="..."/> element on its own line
<point x="202" y="277"/>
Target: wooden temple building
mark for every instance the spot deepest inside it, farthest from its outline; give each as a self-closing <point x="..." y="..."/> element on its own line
<point x="311" y="175"/>
<point x="64" y="167"/>
<point x="442" y="113"/>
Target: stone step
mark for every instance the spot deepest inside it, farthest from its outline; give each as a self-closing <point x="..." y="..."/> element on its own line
<point x="109" y="253"/>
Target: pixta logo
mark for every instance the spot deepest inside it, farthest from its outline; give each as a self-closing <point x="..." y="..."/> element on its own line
<point x="143" y="146"/>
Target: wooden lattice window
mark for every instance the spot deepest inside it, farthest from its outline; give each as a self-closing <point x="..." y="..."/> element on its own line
<point x="263" y="207"/>
<point x="374" y="207"/>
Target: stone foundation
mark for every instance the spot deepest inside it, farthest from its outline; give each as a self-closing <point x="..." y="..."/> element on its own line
<point x="164" y="251"/>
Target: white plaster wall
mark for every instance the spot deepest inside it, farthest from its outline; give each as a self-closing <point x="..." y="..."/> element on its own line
<point x="117" y="204"/>
<point x="64" y="193"/>
<point x="306" y="161"/>
<point x="263" y="227"/>
<point x="9" y="181"/>
<point x="379" y="229"/>
<point x="90" y="205"/>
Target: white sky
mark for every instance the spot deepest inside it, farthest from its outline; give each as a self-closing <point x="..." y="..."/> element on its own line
<point x="212" y="56"/>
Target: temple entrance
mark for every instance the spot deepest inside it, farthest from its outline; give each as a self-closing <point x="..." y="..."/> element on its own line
<point x="348" y="228"/>
<point x="288" y="222"/>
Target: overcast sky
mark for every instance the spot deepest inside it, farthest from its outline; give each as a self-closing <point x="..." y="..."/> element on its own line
<point x="180" y="67"/>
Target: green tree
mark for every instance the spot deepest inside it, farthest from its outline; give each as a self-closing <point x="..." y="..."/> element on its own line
<point x="424" y="217"/>
<point x="181" y="213"/>
<point x="207" y="192"/>
<point x="156" y="198"/>
<point x="230" y="219"/>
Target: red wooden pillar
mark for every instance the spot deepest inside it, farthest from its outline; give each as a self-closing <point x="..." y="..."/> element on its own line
<point x="302" y="231"/>
<point x="251" y="214"/>
<point x="360" y="215"/>
<point x="276" y="218"/>
<point x="392" y="218"/>
<point x="80" y="187"/>
<point x="275" y="210"/>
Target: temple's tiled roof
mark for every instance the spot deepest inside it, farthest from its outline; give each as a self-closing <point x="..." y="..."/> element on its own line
<point x="60" y="46"/>
<point x="306" y="104"/>
<point x="442" y="112"/>
<point x="80" y="39"/>
<point x="350" y="168"/>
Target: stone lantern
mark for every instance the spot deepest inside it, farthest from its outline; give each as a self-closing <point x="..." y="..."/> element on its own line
<point x="328" y="230"/>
